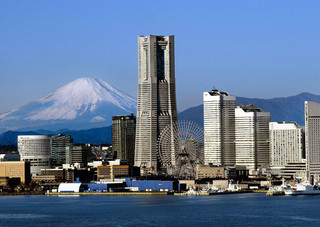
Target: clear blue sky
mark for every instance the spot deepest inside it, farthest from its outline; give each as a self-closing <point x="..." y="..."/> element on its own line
<point x="250" y="48"/>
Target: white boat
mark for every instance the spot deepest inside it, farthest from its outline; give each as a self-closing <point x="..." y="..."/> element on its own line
<point x="204" y="190"/>
<point x="276" y="190"/>
<point x="191" y="191"/>
<point x="214" y="188"/>
<point x="302" y="189"/>
<point x="233" y="187"/>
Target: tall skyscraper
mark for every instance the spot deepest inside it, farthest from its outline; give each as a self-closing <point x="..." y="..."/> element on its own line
<point x="219" y="148"/>
<point x="123" y="137"/>
<point x="60" y="144"/>
<point x="157" y="106"/>
<point x="286" y="143"/>
<point x="312" y="127"/>
<point x="252" y="137"/>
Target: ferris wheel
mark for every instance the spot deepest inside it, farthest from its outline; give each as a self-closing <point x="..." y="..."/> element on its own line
<point x="181" y="148"/>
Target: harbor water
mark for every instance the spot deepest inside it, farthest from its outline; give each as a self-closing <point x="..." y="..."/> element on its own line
<point x="246" y="209"/>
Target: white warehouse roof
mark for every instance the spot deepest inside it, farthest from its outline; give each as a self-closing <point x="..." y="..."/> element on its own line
<point x="69" y="187"/>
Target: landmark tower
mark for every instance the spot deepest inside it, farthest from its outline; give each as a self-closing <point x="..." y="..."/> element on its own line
<point x="157" y="106"/>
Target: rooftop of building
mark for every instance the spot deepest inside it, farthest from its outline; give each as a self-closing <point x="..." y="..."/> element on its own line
<point x="215" y="92"/>
<point x="124" y="117"/>
<point x="286" y="122"/>
<point x="249" y="108"/>
<point x="284" y="125"/>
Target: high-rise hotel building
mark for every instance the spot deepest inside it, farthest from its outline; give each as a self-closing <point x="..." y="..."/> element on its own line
<point x="252" y="137"/>
<point x="312" y="134"/>
<point x="219" y="128"/>
<point x="157" y="106"/>
<point x="286" y="143"/>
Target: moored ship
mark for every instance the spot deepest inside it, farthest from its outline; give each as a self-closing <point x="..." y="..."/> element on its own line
<point x="303" y="189"/>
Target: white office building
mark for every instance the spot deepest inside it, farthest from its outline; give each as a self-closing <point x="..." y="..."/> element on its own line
<point x="219" y="128"/>
<point x="286" y="143"/>
<point x="37" y="150"/>
<point x="251" y="137"/>
<point x="312" y="134"/>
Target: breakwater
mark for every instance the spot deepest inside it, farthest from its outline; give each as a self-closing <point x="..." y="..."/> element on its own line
<point x="21" y="193"/>
<point x="106" y="193"/>
<point x="155" y="193"/>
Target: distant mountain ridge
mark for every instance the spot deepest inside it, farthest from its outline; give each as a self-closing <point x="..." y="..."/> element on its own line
<point x="80" y="104"/>
<point x="93" y="136"/>
<point x="282" y="109"/>
<point x="84" y="110"/>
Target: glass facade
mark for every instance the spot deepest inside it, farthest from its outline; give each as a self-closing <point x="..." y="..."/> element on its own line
<point x="123" y="137"/>
<point x="60" y="144"/>
<point x="37" y="150"/>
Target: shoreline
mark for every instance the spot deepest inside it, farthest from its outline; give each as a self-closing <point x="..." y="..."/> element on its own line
<point x="106" y="193"/>
<point x="128" y="193"/>
<point x="20" y="193"/>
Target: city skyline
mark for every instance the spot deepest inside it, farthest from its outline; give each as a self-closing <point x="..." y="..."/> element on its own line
<point x="61" y="161"/>
<point x="240" y="47"/>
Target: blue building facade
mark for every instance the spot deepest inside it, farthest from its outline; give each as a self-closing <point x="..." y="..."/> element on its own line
<point x="151" y="185"/>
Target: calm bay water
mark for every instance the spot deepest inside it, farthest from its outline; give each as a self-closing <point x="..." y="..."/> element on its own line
<point x="160" y="210"/>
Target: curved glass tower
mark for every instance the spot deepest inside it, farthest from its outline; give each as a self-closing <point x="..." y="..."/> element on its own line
<point x="37" y="150"/>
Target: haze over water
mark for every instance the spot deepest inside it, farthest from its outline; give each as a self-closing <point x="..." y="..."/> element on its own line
<point x="248" y="209"/>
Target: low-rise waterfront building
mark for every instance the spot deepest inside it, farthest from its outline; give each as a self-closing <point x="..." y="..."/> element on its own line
<point x="290" y="171"/>
<point x="152" y="185"/>
<point x="16" y="169"/>
<point x="59" y="174"/>
<point x="44" y="178"/>
<point x="113" y="171"/>
<point x="220" y="183"/>
<point x="210" y="172"/>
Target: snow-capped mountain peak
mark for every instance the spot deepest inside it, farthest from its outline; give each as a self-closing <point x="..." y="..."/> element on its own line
<point x="90" y="99"/>
<point x="79" y="96"/>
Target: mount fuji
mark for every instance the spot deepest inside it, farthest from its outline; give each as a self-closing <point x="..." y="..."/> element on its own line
<point x="81" y="104"/>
